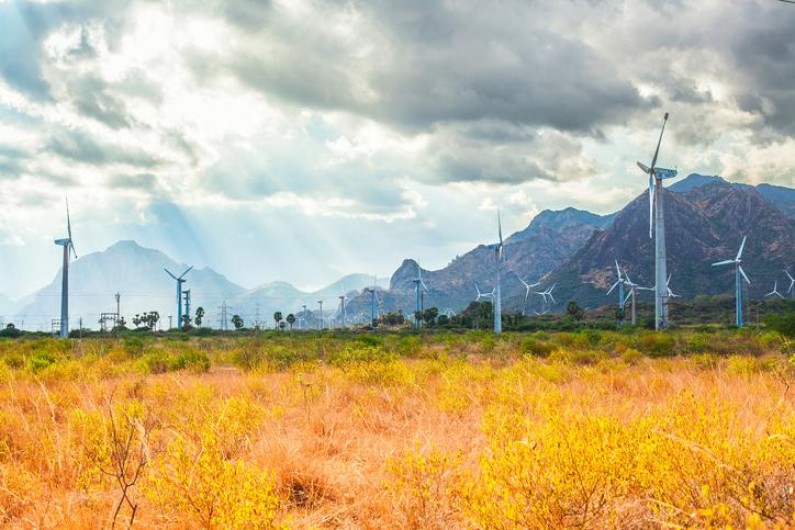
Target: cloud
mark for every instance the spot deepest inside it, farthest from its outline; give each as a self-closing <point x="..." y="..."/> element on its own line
<point x="82" y="147"/>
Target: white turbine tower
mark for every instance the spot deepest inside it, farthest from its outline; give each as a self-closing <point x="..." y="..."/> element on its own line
<point x="775" y="291"/>
<point x="527" y="287"/>
<point x="499" y="257"/>
<point x="68" y="249"/>
<point x="657" y="224"/>
<point x="739" y="276"/>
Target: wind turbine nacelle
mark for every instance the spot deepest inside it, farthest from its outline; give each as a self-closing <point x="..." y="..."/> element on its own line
<point x="62" y="242"/>
<point x="662" y="173"/>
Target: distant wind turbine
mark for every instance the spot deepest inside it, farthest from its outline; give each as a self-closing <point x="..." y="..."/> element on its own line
<point x="775" y="291"/>
<point x="791" y="289"/>
<point x="657" y="223"/>
<point x="419" y="285"/>
<point x="180" y="280"/>
<point x="527" y="287"/>
<point x="68" y="249"/>
<point x="620" y="284"/>
<point x="499" y="257"/>
<point x="739" y="276"/>
<point x="631" y="295"/>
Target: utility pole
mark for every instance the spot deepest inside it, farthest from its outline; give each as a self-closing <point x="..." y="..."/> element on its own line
<point x="321" y="313"/>
<point x="256" y="317"/>
<point x="223" y="324"/>
<point x="169" y="321"/>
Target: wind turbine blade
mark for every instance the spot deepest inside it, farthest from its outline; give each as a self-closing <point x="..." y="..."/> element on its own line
<point x="186" y="272"/>
<point x="618" y="271"/>
<point x="169" y="273"/>
<point x="789" y="276"/>
<point x="659" y="141"/>
<point x="651" y="205"/>
<point x="668" y="280"/>
<point x="68" y="221"/>
<point x="552" y="298"/>
<point x="643" y="167"/>
<point x="499" y="226"/>
<point x="724" y="262"/>
<point x="742" y="246"/>
<point x="72" y="247"/>
<point x="744" y="275"/>
<point x="613" y="287"/>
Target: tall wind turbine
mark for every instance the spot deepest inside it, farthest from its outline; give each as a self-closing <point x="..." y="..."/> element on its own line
<point x="657" y="224"/>
<point x="180" y="280"/>
<point x="68" y="249"/>
<point x="499" y="257"/>
<point x="739" y="274"/>
<point x="419" y="285"/>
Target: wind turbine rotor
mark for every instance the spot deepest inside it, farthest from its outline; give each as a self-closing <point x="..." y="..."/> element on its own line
<point x="724" y="262"/>
<point x="742" y="272"/>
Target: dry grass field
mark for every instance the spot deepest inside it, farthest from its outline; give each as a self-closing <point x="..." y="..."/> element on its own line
<point x="583" y="430"/>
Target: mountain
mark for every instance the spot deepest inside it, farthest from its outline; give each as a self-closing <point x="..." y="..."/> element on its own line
<point x="540" y="248"/>
<point x="783" y="199"/>
<point x="704" y="224"/>
<point x="262" y="302"/>
<point x="137" y="274"/>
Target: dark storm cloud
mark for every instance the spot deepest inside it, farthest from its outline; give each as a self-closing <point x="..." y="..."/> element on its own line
<point x="81" y="147"/>
<point x="765" y="54"/>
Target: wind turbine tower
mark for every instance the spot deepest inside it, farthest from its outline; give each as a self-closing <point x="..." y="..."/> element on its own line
<point x="739" y="274"/>
<point x="657" y="225"/>
<point x="68" y="249"/>
<point x="180" y="280"/>
<point x="498" y="259"/>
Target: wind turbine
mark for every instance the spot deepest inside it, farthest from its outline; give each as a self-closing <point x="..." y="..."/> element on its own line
<point x="739" y="275"/>
<point x="791" y="289"/>
<point x="668" y="288"/>
<point x="68" y="249"/>
<point x="527" y="287"/>
<point x="657" y="223"/>
<point x="775" y="291"/>
<point x="620" y="284"/>
<point x="343" y="310"/>
<point x="544" y="295"/>
<point x="499" y="257"/>
<point x="419" y="285"/>
<point x="484" y="295"/>
<point x="180" y="280"/>
<point x="371" y="290"/>
<point x="631" y="295"/>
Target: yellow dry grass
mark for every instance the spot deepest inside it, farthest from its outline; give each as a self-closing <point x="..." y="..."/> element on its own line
<point x="436" y="441"/>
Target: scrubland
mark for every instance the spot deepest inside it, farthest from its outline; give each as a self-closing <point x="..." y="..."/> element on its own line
<point x="584" y="430"/>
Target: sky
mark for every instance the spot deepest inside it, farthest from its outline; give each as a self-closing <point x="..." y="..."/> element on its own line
<point x="301" y="140"/>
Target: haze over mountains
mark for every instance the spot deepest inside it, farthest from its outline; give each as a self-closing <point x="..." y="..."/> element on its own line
<point x="706" y="218"/>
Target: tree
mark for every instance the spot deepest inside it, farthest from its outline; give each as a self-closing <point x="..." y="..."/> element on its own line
<point x="199" y="316"/>
<point x="575" y="311"/>
<point x="151" y="319"/>
<point x="237" y="322"/>
<point x="277" y="316"/>
<point x="291" y="320"/>
<point x="429" y="316"/>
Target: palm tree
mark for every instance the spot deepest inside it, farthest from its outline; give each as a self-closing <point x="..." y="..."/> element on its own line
<point x="277" y="316"/>
<point x="237" y="321"/>
<point x="291" y="320"/>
